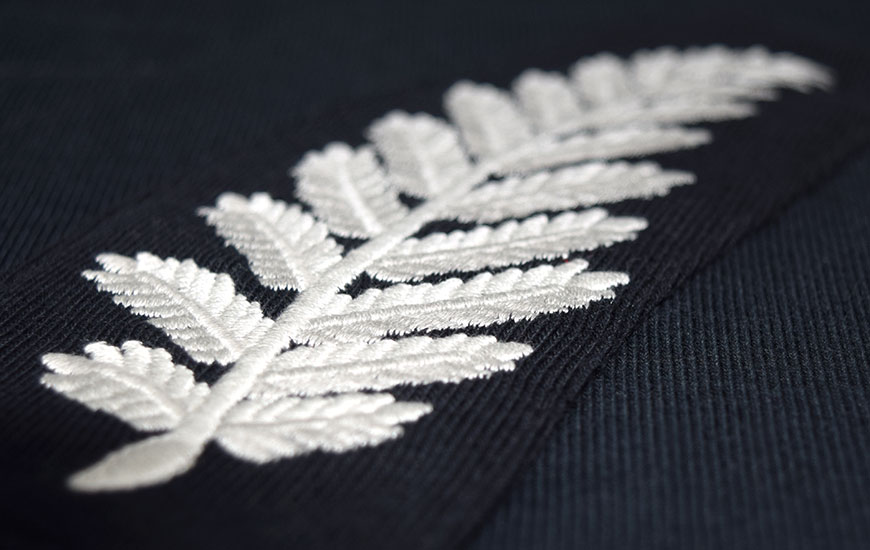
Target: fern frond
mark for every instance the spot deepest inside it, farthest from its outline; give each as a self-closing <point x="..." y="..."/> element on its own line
<point x="488" y="118"/>
<point x="343" y="367"/>
<point x="422" y="152"/>
<point x="199" y="310"/>
<point x="505" y="154"/>
<point x="666" y="86"/>
<point x="566" y="188"/>
<point x="261" y="431"/>
<point x="547" y="99"/>
<point x="508" y="244"/>
<point x="348" y="190"/>
<point x="286" y="248"/>
<point x="484" y="300"/>
<point x="138" y="384"/>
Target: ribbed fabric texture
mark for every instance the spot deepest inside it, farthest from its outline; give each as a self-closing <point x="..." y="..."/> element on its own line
<point x="736" y="416"/>
<point x="107" y="102"/>
<point x="428" y="488"/>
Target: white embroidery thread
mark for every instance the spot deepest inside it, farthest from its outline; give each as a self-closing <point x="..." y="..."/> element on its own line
<point x="199" y="310"/>
<point x="510" y="243"/>
<point x="295" y="383"/>
<point x="286" y="248"/>
<point x="137" y="384"/>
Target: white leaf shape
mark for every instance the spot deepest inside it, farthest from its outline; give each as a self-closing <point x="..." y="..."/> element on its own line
<point x="547" y="98"/>
<point x="261" y="431"/>
<point x="286" y="248"/>
<point x="344" y="367"/>
<point x="494" y="128"/>
<point x="484" y="300"/>
<point x="663" y="111"/>
<point x="422" y="153"/>
<point x="757" y="68"/>
<point x="199" y="310"/>
<point x="720" y="72"/>
<point x="649" y="90"/>
<point x="606" y="108"/>
<point x="489" y="120"/>
<point x="510" y="243"/>
<point x="602" y="79"/>
<point x="348" y="190"/>
<point x="666" y="86"/>
<point x="606" y="144"/>
<point x="138" y="384"/>
<point x="584" y="185"/>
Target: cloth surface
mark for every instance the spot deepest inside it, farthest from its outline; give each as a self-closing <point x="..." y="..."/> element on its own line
<point x="735" y="416"/>
<point x="125" y="120"/>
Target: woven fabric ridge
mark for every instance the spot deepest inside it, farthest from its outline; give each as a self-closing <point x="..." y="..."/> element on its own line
<point x="750" y="385"/>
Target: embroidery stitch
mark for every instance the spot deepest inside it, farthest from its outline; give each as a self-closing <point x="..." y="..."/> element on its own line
<point x="584" y="185"/>
<point x="138" y="384"/>
<point x="422" y="153"/>
<point x="349" y="190"/>
<point x="382" y="364"/>
<point x="199" y="310"/>
<point x="286" y="248"/>
<point x="277" y="400"/>
<point x="484" y="300"/>
<point x="262" y="431"/>
<point x="510" y="243"/>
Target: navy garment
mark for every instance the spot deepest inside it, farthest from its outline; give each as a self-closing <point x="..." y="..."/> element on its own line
<point x="736" y="416"/>
<point x="104" y="103"/>
<point x="118" y="121"/>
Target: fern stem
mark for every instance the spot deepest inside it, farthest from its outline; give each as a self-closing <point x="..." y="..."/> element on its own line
<point x="185" y="443"/>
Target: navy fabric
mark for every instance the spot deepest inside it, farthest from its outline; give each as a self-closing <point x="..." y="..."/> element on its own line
<point x="107" y="102"/>
<point x="99" y="156"/>
<point x="736" y="416"/>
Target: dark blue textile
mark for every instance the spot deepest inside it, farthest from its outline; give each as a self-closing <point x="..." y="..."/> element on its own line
<point x="119" y="120"/>
<point x="736" y="416"/>
<point x="104" y="102"/>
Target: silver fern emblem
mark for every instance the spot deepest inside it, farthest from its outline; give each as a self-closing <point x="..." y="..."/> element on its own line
<point x="315" y="377"/>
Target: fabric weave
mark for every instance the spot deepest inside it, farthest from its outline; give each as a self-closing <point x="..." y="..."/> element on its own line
<point x="100" y="155"/>
<point x="735" y="416"/>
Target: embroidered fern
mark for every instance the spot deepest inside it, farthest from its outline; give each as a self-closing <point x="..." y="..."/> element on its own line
<point x="422" y="153"/>
<point x="293" y="384"/>
<point x="484" y="300"/>
<point x="341" y="367"/>
<point x="349" y="190"/>
<point x="139" y="385"/>
<point x="263" y="431"/>
<point x="510" y="243"/>
<point x="198" y="309"/>
<point x="286" y="248"/>
<point x="585" y="185"/>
